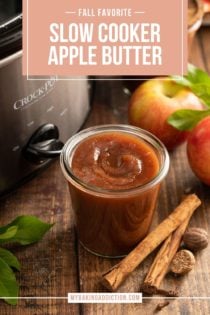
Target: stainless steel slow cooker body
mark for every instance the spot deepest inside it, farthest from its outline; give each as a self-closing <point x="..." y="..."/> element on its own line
<point x="34" y="115"/>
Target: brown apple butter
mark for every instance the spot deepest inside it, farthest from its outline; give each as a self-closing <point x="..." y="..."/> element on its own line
<point x="114" y="187"/>
<point x="114" y="161"/>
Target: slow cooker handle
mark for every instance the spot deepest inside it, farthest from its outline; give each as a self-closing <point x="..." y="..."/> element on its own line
<point x="43" y="144"/>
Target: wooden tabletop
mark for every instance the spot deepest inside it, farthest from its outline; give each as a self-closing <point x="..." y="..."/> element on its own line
<point x="58" y="264"/>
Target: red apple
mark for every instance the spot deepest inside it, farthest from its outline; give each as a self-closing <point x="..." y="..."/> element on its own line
<point x="154" y="101"/>
<point x="198" y="150"/>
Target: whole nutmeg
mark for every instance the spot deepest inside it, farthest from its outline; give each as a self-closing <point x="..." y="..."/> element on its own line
<point x="182" y="262"/>
<point x="195" y="238"/>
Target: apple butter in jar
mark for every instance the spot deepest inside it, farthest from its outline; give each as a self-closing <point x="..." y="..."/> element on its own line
<point x="114" y="174"/>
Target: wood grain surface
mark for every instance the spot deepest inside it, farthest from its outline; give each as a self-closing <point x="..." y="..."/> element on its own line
<point x="58" y="264"/>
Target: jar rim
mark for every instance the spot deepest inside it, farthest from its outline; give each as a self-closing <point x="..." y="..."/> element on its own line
<point x="197" y="17"/>
<point x="71" y="144"/>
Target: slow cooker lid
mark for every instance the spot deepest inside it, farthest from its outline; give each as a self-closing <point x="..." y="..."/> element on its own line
<point x="10" y="27"/>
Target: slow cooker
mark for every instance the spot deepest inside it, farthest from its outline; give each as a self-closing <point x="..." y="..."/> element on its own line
<point x="36" y="116"/>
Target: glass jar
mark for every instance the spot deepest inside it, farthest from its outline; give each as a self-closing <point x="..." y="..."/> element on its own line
<point x="110" y="221"/>
<point x="195" y="18"/>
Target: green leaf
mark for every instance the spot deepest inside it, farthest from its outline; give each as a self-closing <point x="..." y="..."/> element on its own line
<point x="8" y="233"/>
<point x="194" y="76"/>
<point x="8" y="284"/>
<point x="198" y="81"/>
<point x="197" y="76"/>
<point x="30" y="229"/>
<point x="202" y="91"/>
<point x="9" y="258"/>
<point x="24" y="230"/>
<point x="186" y="119"/>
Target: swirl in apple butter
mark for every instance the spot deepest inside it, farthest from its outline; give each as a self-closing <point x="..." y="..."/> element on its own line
<point x="114" y="161"/>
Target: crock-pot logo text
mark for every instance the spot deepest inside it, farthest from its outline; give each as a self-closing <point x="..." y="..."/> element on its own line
<point x="36" y="95"/>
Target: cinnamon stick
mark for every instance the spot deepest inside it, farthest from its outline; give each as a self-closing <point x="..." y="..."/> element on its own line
<point x="117" y="274"/>
<point x="163" y="259"/>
